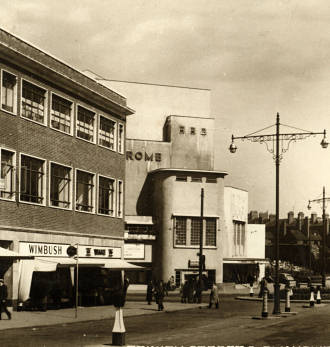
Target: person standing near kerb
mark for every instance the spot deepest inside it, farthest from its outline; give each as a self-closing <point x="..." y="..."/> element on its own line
<point x="3" y="299"/>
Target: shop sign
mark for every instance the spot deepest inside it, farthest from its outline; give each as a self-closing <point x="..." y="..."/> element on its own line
<point x="134" y="251"/>
<point x="39" y="249"/>
<point x="143" y="156"/>
<point x="193" y="263"/>
<point x="43" y="249"/>
<point x="99" y="252"/>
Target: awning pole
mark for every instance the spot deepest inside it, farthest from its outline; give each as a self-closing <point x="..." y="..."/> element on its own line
<point x="77" y="279"/>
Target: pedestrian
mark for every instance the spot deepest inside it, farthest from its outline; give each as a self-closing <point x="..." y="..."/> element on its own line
<point x="150" y="290"/>
<point x="159" y="294"/>
<point x="214" y="296"/>
<point x="3" y="299"/>
<point x="184" y="292"/>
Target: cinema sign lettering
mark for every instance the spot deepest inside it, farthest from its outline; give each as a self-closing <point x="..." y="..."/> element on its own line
<point x="143" y="156"/>
<point x="39" y="249"/>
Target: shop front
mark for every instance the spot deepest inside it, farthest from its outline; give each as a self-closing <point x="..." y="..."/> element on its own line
<point x="49" y="280"/>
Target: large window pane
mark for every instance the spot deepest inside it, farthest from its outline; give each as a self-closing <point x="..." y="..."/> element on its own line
<point x="85" y="124"/>
<point x="32" y="174"/>
<point x="33" y="102"/>
<point x="7" y="174"/>
<point x="61" y="113"/>
<point x="106" y="196"/>
<point x="195" y="231"/>
<point x="84" y="191"/>
<point x="8" y="92"/>
<point x="211" y="232"/>
<point x="60" y="186"/>
<point x="180" y="231"/>
<point x="107" y="133"/>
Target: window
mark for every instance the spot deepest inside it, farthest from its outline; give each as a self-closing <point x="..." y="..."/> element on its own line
<point x="60" y="186"/>
<point x="239" y="238"/>
<point x="61" y="114"/>
<point x="192" y="131"/>
<point x="195" y="231"/>
<point x="181" y="178"/>
<point x="196" y="179"/>
<point x="9" y="92"/>
<point x="203" y="131"/>
<point x="106" y="196"/>
<point x="120" y="201"/>
<point x="181" y="130"/>
<point x="210" y="232"/>
<point x="84" y="191"/>
<point x="211" y="180"/>
<point x="121" y="138"/>
<point x="33" y="102"/>
<point x="7" y="187"/>
<point x="85" y="124"/>
<point x="180" y="231"/>
<point x="107" y="133"/>
<point x="32" y="180"/>
<point x="187" y="231"/>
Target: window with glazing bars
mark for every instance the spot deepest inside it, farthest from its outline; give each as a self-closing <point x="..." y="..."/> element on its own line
<point x="180" y="230"/>
<point x="61" y="113"/>
<point x="32" y="180"/>
<point x="33" y="102"/>
<point x="85" y="124"/>
<point x="107" y="133"/>
<point x="106" y="196"/>
<point x="7" y="174"/>
<point x="211" y="232"/>
<point x="60" y="186"/>
<point x="239" y="237"/>
<point x="195" y="231"/>
<point x="120" y="199"/>
<point x="121" y="138"/>
<point x="8" y="92"/>
<point x="84" y="191"/>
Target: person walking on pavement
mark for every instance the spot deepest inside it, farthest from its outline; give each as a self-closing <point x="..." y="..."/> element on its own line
<point x="214" y="296"/>
<point x="3" y="299"/>
<point x="159" y="294"/>
<point x="150" y="290"/>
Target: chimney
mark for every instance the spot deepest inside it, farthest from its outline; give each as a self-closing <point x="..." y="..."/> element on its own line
<point x="300" y="220"/>
<point x="313" y="217"/>
<point x="284" y="228"/>
<point x="290" y="217"/>
<point x="306" y="226"/>
<point x="272" y="217"/>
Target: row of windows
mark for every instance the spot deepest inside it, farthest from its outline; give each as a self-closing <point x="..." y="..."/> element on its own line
<point x="187" y="231"/>
<point x="92" y="193"/>
<point x="182" y="130"/>
<point x="184" y="178"/>
<point x="90" y="126"/>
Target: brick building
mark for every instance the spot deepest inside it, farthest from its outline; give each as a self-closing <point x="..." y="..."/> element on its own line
<point x="62" y="145"/>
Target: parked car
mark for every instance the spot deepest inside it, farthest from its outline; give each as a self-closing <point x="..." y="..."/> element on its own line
<point x="287" y="279"/>
<point x="303" y="279"/>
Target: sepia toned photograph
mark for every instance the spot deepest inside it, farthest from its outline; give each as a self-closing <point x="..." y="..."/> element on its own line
<point x="164" y="173"/>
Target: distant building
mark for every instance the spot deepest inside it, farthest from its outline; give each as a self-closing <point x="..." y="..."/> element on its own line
<point x="300" y="238"/>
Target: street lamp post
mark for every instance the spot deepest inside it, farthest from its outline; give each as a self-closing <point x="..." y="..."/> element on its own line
<point x="280" y="144"/>
<point x="324" y="231"/>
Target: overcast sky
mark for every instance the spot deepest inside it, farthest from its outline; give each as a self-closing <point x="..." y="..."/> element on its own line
<point x="257" y="57"/>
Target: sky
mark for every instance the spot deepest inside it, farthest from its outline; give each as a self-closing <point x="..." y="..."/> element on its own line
<point x="257" y="57"/>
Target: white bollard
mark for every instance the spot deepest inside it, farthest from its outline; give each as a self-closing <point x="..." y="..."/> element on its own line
<point x="118" y="331"/>
<point x="318" y="296"/>
<point x="287" y="301"/>
<point x="311" y="300"/>
<point x="251" y="290"/>
<point x="264" y="313"/>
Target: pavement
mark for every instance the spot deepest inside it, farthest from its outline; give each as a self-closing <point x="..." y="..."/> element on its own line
<point x="35" y="319"/>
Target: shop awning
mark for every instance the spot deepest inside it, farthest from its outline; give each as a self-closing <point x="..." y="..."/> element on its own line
<point x="115" y="264"/>
<point x="6" y="253"/>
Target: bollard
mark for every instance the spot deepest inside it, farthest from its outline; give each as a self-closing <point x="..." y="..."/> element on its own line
<point x="118" y="331"/>
<point x="287" y="301"/>
<point x="264" y="313"/>
<point x="311" y="300"/>
<point x="318" y="296"/>
<point x="251" y="290"/>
